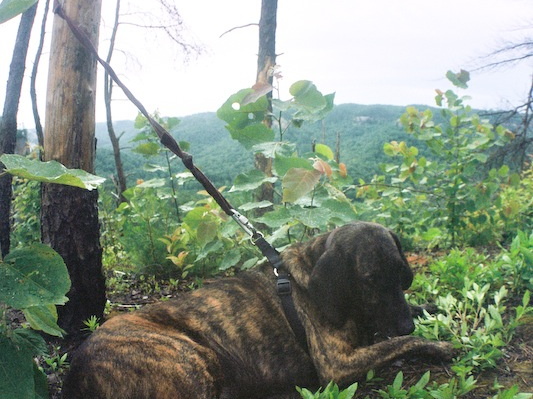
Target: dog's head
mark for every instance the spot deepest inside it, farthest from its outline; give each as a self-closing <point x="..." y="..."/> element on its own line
<point x="359" y="275"/>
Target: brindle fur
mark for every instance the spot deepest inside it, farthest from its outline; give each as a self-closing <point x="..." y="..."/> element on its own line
<point x="230" y="339"/>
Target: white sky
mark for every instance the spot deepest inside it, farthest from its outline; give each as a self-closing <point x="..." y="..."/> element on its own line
<point x="367" y="51"/>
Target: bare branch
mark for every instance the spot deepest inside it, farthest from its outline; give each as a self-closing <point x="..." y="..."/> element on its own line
<point x="238" y="27"/>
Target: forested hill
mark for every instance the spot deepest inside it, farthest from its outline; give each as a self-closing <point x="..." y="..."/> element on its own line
<point x="363" y="129"/>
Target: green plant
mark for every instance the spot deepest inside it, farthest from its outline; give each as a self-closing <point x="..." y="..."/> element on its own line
<point x="149" y="146"/>
<point x="56" y="362"/>
<point x="310" y="189"/>
<point x="512" y="393"/>
<point x="208" y="242"/>
<point x="331" y="391"/>
<point x="26" y="207"/>
<point x="446" y="196"/>
<point x="92" y="323"/>
<point x="34" y="280"/>
<point x="142" y="220"/>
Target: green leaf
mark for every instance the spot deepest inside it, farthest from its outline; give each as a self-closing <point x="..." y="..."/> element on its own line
<point x="297" y="182"/>
<point x="251" y="180"/>
<point x="252" y="135"/>
<point x="171" y="122"/>
<point x="49" y="172"/>
<point x="147" y="149"/>
<point x="33" y="276"/>
<point x="16" y="371"/>
<point x="314" y="218"/>
<point x="398" y="381"/>
<point x="432" y="234"/>
<point x="210" y="248"/>
<point x="12" y="8"/>
<point x="140" y="121"/>
<point x="31" y="340"/>
<point x="255" y="205"/>
<point x="40" y="383"/>
<point x="459" y="79"/>
<point x="206" y="232"/>
<point x="390" y="149"/>
<point x="349" y="392"/>
<point x="283" y="164"/>
<point x="276" y="218"/>
<point x="231" y="258"/>
<point x="342" y="210"/>
<point x="275" y="148"/>
<point x="324" y="150"/>
<point x="239" y="116"/>
<point x="305" y="93"/>
<point x="503" y="171"/>
<point x="44" y="318"/>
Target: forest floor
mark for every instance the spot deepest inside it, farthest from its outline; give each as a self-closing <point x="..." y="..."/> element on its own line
<point x="514" y="368"/>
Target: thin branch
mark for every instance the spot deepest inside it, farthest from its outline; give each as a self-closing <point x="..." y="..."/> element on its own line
<point x="238" y="27"/>
<point x="33" y="79"/>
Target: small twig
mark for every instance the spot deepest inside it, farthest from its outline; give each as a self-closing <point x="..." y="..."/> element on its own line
<point x="239" y="27"/>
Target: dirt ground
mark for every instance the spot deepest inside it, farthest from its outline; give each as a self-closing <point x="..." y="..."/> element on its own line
<point x="515" y="367"/>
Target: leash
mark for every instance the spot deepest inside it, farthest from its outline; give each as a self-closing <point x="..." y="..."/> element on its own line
<point x="283" y="284"/>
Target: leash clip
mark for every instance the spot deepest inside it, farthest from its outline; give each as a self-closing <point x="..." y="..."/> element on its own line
<point x="244" y="223"/>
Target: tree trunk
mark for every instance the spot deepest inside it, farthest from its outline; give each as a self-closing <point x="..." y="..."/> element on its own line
<point x="108" y="91"/>
<point x="8" y="123"/>
<point x="69" y="216"/>
<point x="265" y="62"/>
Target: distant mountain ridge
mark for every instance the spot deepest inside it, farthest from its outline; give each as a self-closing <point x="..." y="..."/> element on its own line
<point x="363" y="129"/>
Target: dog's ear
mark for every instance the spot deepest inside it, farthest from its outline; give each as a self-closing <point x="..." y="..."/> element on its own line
<point x="330" y="285"/>
<point x="406" y="274"/>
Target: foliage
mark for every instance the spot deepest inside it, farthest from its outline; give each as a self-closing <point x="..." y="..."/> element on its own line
<point x="34" y="280"/>
<point x="309" y="187"/>
<point x="49" y="172"/>
<point x="25" y="209"/>
<point x="473" y="293"/>
<point x="331" y="391"/>
<point x="208" y="242"/>
<point x="12" y="8"/>
<point x="92" y="323"/>
<point x="516" y="207"/>
<point x="446" y="197"/>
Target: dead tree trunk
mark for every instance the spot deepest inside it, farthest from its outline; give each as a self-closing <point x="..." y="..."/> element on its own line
<point x="8" y="124"/>
<point x="265" y="62"/>
<point x="69" y="216"/>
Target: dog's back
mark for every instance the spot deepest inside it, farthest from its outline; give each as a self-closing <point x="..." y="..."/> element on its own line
<point x="185" y="348"/>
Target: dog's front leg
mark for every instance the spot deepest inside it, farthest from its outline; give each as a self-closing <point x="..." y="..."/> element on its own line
<point x="345" y="367"/>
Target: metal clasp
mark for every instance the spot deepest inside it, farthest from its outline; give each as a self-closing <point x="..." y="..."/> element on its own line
<point x="244" y="223"/>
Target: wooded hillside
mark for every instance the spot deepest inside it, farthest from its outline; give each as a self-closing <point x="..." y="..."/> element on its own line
<point x="362" y="128"/>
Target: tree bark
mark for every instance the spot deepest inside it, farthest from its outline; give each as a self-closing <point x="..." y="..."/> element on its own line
<point x="8" y="123"/>
<point x="265" y="62"/>
<point x="69" y="216"/>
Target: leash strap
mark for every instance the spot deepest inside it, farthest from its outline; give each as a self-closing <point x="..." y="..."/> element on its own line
<point x="284" y="288"/>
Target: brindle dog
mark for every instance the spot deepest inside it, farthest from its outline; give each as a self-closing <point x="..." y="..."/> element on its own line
<point x="231" y="339"/>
